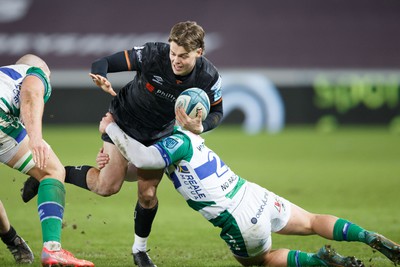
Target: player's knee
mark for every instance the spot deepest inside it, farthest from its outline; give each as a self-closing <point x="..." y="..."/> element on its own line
<point x="147" y="198"/>
<point x="55" y="170"/>
<point x="106" y="191"/>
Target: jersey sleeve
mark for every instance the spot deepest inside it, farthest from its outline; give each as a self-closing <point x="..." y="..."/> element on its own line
<point x="143" y="57"/>
<point x="38" y="72"/>
<point x="216" y="91"/>
<point x="118" y="62"/>
<point x="175" y="148"/>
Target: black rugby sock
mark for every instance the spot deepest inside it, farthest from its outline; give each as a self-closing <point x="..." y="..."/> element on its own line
<point x="144" y="219"/>
<point x="9" y="237"/>
<point x="76" y="175"/>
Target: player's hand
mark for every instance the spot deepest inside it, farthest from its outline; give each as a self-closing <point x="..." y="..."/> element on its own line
<point x="194" y="125"/>
<point x="105" y="121"/>
<point x="40" y="152"/>
<point x="103" y="83"/>
<point x="102" y="159"/>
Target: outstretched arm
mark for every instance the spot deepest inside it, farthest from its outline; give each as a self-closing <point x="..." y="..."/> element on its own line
<point x="117" y="62"/>
<point x="141" y="156"/>
<point x="32" y="106"/>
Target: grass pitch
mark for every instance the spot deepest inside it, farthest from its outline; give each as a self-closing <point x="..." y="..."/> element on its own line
<point x="353" y="173"/>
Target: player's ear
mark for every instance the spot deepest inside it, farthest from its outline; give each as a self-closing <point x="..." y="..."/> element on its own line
<point x="199" y="52"/>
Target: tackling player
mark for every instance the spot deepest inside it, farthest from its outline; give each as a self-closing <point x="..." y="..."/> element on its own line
<point x="246" y="212"/>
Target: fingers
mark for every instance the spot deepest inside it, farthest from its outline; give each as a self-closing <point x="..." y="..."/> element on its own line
<point x="102" y="159"/>
<point x="40" y="156"/>
<point x="109" y="116"/>
<point x="105" y="121"/>
<point x="200" y="114"/>
<point x="194" y="125"/>
<point x="103" y="83"/>
<point x="180" y="116"/>
<point x="112" y="92"/>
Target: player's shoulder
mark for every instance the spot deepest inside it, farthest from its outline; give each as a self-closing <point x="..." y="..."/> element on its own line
<point x="207" y="76"/>
<point x="157" y="47"/>
<point x="153" y="52"/>
<point x="14" y="71"/>
<point x="205" y="66"/>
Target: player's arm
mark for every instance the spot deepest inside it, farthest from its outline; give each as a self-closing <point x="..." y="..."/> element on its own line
<point x="141" y="156"/>
<point x="216" y="109"/>
<point x="121" y="61"/>
<point x="214" y="117"/>
<point x="32" y="106"/>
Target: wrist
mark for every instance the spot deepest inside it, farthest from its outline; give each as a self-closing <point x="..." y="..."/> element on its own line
<point x="201" y="129"/>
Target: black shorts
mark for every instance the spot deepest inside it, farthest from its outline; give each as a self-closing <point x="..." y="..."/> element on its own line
<point x="144" y="135"/>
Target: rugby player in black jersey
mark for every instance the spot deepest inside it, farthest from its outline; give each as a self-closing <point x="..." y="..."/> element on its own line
<point x="144" y="109"/>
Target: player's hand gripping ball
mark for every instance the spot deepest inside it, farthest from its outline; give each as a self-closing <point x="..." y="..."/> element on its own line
<point x="192" y="100"/>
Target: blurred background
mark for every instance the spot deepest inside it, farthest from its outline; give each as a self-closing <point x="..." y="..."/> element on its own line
<point x="322" y="63"/>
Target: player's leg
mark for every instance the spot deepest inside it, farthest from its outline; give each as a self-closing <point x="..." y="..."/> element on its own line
<point x="110" y="178"/>
<point x="15" y="244"/>
<point x="4" y="222"/>
<point x="51" y="202"/>
<point x="74" y="175"/>
<point x="345" y="230"/>
<point x="145" y="212"/>
<point x="331" y="227"/>
<point x="260" y="213"/>
<point x="104" y="182"/>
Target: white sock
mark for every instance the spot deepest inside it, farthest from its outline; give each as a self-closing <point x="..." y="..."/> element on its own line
<point x="140" y="244"/>
<point x="52" y="245"/>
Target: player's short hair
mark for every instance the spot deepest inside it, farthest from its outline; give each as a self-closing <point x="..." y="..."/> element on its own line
<point x="187" y="34"/>
<point x="35" y="61"/>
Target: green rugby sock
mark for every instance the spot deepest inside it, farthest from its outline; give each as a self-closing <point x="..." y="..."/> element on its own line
<point x="51" y="202"/>
<point x="297" y="258"/>
<point x="348" y="231"/>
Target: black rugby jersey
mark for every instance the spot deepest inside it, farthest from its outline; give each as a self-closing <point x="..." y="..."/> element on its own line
<point x="144" y="108"/>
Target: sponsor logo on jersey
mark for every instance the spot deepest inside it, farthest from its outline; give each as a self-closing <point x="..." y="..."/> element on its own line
<point x="279" y="205"/>
<point x="192" y="186"/>
<point x="183" y="169"/>
<point x="217" y="89"/>
<point x="200" y="147"/>
<point x="157" y="79"/>
<point x="150" y="87"/>
<point x="230" y="181"/>
<point x="170" y="143"/>
<point x="17" y="92"/>
<point x="261" y="209"/>
<point x="165" y="95"/>
<point x="138" y="50"/>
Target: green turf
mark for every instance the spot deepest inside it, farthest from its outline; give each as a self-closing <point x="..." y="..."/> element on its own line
<point x="352" y="173"/>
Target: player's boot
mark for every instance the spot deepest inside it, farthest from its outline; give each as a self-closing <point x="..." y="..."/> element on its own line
<point x="62" y="258"/>
<point x="21" y="251"/>
<point x="142" y="259"/>
<point x="332" y="259"/>
<point x="387" y="247"/>
<point x="30" y="189"/>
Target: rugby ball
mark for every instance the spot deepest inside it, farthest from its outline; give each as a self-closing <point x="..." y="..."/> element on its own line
<point x="193" y="100"/>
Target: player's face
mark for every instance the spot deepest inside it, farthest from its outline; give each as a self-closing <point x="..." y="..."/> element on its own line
<point x="182" y="61"/>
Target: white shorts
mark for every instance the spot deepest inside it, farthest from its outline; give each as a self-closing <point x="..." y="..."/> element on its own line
<point x="248" y="231"/>
<point x="12" y="133"/>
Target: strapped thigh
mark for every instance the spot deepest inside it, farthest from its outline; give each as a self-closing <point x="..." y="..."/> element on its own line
<point x="25" y="163"/>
